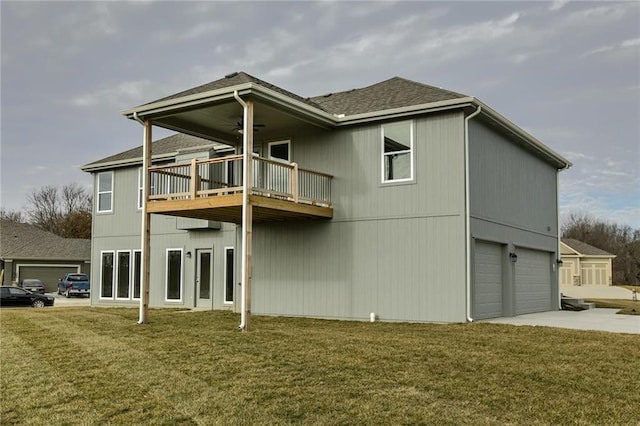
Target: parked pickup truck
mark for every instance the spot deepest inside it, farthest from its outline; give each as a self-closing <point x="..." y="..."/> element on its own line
<point x="74" y="285"/>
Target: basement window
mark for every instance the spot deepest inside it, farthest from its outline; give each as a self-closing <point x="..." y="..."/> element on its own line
<point x="397" y="152"/>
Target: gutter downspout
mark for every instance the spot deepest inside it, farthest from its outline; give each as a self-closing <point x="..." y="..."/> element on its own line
<point x="246" y="157"/>
<point x="467" y="213"/>
<point x="566" y="166"/>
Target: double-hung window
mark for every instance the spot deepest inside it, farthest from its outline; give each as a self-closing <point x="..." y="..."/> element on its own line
<point x="105" y="192"/>
<point x="397" y="152"/>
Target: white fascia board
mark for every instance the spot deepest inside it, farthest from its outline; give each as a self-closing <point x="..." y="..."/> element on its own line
<point x="294" y="104"/>
<point x="504" y="122"/>
<point x="185" y="101"/>
<point x="404" y="111"/>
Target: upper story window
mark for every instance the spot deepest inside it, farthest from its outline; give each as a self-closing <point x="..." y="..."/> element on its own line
<point x="140" y="188"/>
<point x="397" y="152"/>
<point x="280" y="151"/>
<point x="105" y="192"/>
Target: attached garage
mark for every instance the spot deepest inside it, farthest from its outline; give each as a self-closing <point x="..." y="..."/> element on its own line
<point x="487" y="289"/>
<point x="533" y="281"/>
<point x="48" y="274"/>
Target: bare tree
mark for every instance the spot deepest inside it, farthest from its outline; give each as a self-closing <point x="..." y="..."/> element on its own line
<point x="66" y="213"/>
<point x="621" y="240"/>
<point x="11" y="216"/>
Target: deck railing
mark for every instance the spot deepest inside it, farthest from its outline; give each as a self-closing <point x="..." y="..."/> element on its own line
<point x="223" y="176"/>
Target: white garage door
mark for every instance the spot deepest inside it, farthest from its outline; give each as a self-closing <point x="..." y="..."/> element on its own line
<point x="533" y="281"/>
<point x="487" y="294"/>
<point x="594" y="273"/>
<point x="49" y="275"/>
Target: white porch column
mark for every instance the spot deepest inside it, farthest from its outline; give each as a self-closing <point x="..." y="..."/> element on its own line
<point x="145" y="235"/>
<point x="247" y="213"/>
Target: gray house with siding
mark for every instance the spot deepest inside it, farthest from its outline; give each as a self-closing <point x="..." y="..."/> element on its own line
<point x="27" y="251"/>
<point x="401" y="200"/>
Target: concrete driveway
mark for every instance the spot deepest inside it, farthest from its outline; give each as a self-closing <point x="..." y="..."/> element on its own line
<point x="62" y="301"/>
<point x="595" y="292"/>
<point x="592" y="319"/>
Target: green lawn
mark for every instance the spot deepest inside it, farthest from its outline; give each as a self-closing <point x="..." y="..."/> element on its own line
<point x="96" y="366"/>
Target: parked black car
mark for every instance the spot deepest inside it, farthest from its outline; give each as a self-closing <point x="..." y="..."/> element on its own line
<point x="16" y="296"/>
<point x="33" y="285"/>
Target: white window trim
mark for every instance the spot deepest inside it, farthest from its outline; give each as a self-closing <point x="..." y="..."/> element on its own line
<point x="113" y="276"/>
<point x="410" y="151"/>
<point x="224" y="298"/>
<point x="133" y="271"/>
<point x="166" y="275"/>
<point x="116" y="272"/>
<point x="281" y="142"/>
<point x="98" y="193"/>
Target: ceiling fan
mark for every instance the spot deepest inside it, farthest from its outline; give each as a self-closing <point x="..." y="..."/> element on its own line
<point x="239" y="126"/>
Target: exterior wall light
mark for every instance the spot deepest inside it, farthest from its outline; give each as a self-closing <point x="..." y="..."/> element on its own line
<point x="513" y="257"/>
<point x="188" y="255"/>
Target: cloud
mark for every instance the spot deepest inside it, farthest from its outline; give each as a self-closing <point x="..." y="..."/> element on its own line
<point x="624" y="45"/>
<point x="558" y="4"/>
<point x="120" y="96"/>
<point x="201" y="30"/>
<point x="599" y="15"/>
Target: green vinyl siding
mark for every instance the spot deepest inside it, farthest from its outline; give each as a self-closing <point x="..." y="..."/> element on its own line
<point x="393" y="249"/>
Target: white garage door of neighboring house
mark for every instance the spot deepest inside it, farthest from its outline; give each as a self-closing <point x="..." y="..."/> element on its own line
<point x="533" y="281"/>
<point x="487" y="295"/>
<point x="567" y="272"/>
<point x="49" y="275"/>
<point x="594" y="273"/>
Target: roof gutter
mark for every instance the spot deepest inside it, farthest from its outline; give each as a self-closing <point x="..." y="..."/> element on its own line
<point x="467" y="213"/>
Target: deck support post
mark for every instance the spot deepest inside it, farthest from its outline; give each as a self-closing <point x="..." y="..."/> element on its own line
<point x="294" y="182"/>
<point x="145" y="243"/>
<point x="247" y="213"/>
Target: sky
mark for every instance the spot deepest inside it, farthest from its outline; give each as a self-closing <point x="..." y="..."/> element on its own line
<point x="566" y="72"/>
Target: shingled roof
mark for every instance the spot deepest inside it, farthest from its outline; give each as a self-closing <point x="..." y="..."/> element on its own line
<point x="389" y="94"/>
<point x="584" y="248"/>
<point x="395" y="92"/>
<point x="168" y="145"/>
<point x="25" y="241"/>
<point x="234" y="79"/>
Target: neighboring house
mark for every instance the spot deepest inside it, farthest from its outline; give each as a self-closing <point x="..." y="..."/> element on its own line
<point x="27" y="251"/>
<point x="583" y="264"/>
<point x="401" y="200"/>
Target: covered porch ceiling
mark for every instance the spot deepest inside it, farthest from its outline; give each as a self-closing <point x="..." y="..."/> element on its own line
<point x="218" y="118"/>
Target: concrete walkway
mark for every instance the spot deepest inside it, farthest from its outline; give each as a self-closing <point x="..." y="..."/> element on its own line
<point x="595" y="292"/>
<point x="593" y="319"/>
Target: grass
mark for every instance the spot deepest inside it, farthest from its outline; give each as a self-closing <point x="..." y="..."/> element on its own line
<point x="96" y="366"/>
<point x="627" y="307"/>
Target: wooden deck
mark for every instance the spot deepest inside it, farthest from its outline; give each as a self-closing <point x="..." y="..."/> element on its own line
<point x="212" y="190"/>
